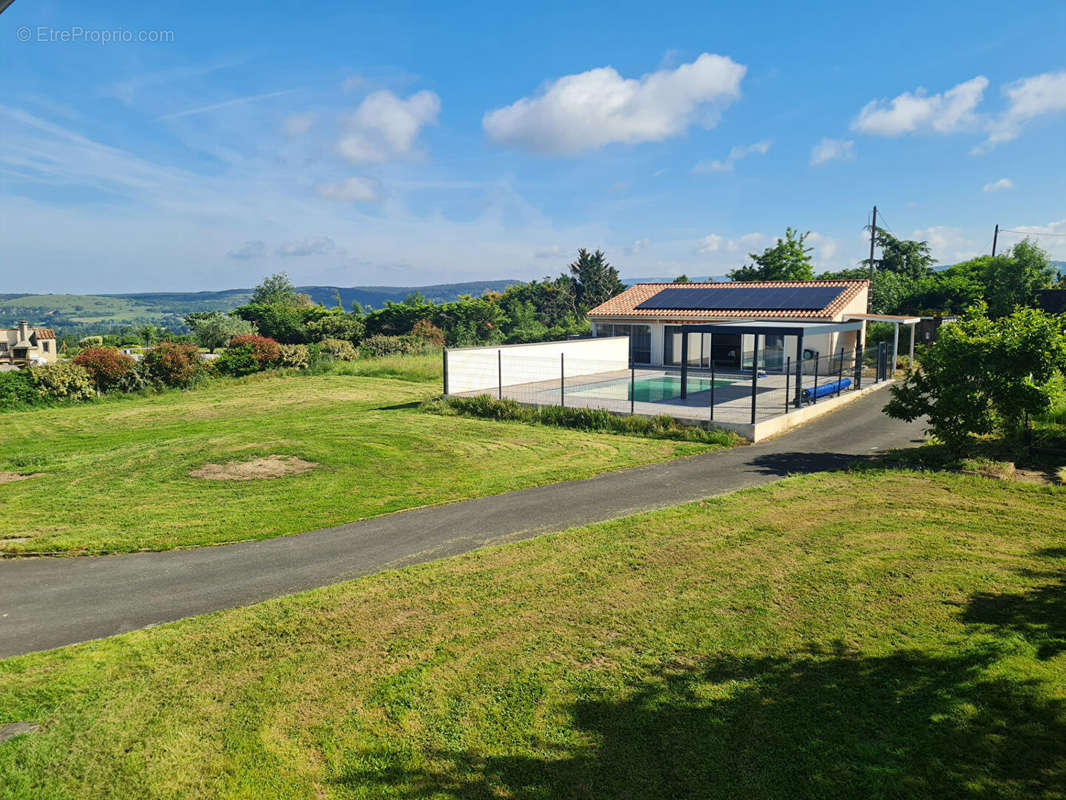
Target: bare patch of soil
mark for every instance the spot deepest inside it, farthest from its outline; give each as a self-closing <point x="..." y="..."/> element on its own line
<point x="273" y="466"/>
<point x="11" y="477"/>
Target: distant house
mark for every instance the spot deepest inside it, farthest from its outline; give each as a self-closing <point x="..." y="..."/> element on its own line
<point x="24" y="346"/>
<point x="652" y="315"/>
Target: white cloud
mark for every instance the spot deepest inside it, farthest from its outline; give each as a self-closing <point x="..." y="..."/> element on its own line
<point x="995" y="186"/>
<point x="385" y="126"/>
<point x="350" y="190"/>
<point x="554" y="251"/>
<point x="598" y="107"/>
<point x="299" y="124"/>
<point x="318" y="245"/>
<point x="1055" y="243"/>
<point x="831" y="150"/>
<point x="713" y="243"/>
<point x="248" y="250"/>
<point x="710" y="243"/>
<point x="1027" y="99"/>
<point x="918" y="111"/>
<point x="949" y="245"/>
<point x="825" y="247"/>
<point x="736" y="154"/>
<point x="637" y="246"/>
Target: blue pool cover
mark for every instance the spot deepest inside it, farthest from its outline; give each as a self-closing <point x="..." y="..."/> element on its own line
<point x="826" y="388"/>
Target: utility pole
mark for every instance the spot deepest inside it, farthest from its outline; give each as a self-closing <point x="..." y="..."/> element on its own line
<point x="995" y="239"/>
<point x="869" y="292"/>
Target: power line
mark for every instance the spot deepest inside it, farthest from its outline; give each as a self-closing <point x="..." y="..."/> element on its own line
<point x="1031" y="233"/>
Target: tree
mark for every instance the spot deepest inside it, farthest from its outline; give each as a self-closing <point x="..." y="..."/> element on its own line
<point x="788" y="260"/>
<point x="982" y="375"/>
<point x="597" y="281"/>
<point x="912" y="259"/>
<point x="1016" y="279"/>
<point x="275" y="289"/>
<point x="682" y="278"/>
<point x="213" y="329"/>
<point x="147" y="333"/>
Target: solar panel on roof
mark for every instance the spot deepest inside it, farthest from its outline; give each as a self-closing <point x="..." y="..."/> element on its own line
<point x="758" y="298"/>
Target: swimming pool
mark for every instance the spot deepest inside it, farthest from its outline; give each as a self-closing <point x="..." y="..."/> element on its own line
<point x="646" y="390"/>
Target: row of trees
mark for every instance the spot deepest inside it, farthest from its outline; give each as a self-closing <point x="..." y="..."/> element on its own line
<point x="553" y="308"/>
<point x="905" y="282"/>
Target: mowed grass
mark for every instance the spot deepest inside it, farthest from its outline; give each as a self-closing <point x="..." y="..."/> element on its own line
<point x="115" y="475"/>
<point x="847" y="635"/>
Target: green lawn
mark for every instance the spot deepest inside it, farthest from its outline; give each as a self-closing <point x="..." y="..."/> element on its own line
<point x="869" y="634"/>
<point x="116" y="473"/>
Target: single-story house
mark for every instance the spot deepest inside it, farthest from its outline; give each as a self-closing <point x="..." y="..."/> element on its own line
<point x="24" y="345"/>
<point x="652" y="315"/>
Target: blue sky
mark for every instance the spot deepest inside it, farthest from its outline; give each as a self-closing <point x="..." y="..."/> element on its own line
<point x="417" y="143"/>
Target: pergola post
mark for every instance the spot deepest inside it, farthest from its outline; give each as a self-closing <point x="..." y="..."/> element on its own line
<point x="754" y="374"/>
<point x="684" y="362"/>
<point x="799" y="371"/>
<point x="910" y="358"/>
<point x="895" y="347"/>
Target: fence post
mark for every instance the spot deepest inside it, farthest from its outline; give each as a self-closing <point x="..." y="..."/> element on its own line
<point x="754" y="374"/>
<point x="858" y="367"/>
<point x="499" y="372"/>
<point x="814" y="391"/>
<point x="788" y="376"/>
<point x="632" y="388"/>
<point x="712" y="388"/>
<point x="562" y="380"/>
<point x="840" y="371"/>
<point x="444" y="356"/>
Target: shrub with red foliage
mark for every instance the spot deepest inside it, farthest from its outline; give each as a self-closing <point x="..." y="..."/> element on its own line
<point x="173" y="364"/>
<point x="105" y="365"/>
<point x="265" y="351"/>
<point x="428" y="333"/>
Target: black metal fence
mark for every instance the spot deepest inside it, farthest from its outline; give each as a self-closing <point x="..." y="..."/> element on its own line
<point x="712" y="393"/>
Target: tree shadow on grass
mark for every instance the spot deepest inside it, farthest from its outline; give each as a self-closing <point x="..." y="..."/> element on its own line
<point x="1038" y="614"/>
<point x="819" y="724"/>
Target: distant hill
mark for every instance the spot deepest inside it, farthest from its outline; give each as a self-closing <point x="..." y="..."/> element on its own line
<point x="92" y="313"/>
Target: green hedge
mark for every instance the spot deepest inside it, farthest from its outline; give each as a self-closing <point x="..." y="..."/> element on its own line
<point x="583" y="419"/>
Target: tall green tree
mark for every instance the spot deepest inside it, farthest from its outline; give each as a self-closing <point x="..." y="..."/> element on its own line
<point x="788" y="260"/>
<point x="597" y="280"/>
<point x="275" y="290"/>
<point x="910" y="258"/>
<point x="214" y="329"/>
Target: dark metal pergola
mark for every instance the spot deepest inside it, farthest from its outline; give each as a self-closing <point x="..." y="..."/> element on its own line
<point x="797" y="329"/>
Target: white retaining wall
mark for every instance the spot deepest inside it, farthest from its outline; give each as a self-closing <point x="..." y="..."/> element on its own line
<point x="473" y="369"/>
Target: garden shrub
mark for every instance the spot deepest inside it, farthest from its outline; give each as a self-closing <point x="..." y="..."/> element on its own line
<point x="136" y="379"/>
<point x="173" y="364"/>
<point x="585" y="419"/>
<point x="295" y="356"/>
<point x="105" y="366"/>
<point x="265" y="351"/>
<point x="429" y="334"/>
<point x="18" y="389"/>
<point x="381" y="345"/>
<point x="63" y="381"/>
<point x="237" y="361"/>
<point x="339" y="349"/>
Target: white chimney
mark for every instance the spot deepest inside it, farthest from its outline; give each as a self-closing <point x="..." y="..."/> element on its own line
<point x="24" y="331"/>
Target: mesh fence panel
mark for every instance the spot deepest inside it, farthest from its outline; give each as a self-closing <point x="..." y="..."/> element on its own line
<point x="710" y="395"/>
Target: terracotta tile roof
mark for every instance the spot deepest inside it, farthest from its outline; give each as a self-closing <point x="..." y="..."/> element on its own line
<point x="45" y="333"/>
<point x="625" y="304"/>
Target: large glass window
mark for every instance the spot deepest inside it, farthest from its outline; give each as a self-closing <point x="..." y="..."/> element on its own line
<point x="639" y="339"/>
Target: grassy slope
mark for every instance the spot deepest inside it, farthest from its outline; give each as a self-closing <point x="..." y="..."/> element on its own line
<point x="844" y="635"/>
<point x="117" y="472"/>
<point x="77" y="307"/>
